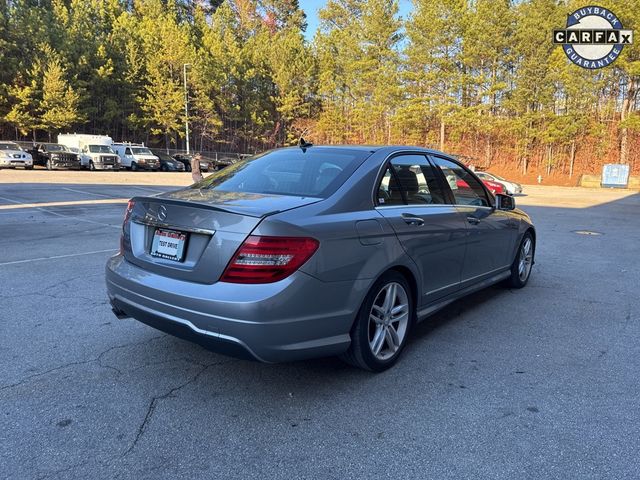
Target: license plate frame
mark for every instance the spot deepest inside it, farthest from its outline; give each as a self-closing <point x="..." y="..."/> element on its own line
<point x="167" y="250"/>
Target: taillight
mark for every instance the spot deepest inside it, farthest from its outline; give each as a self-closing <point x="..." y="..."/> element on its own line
<point x="127" y="212"/>
<point x="127" y="215"/>
<point x="268" y="259"/>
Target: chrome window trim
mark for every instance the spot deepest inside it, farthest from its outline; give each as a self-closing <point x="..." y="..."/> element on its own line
<point x="383" y="164"/>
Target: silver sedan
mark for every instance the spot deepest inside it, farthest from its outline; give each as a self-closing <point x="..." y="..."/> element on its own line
<point x="314" y="251"/>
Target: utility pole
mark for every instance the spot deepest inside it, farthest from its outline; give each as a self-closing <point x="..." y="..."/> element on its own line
<point x="186" y="104"/>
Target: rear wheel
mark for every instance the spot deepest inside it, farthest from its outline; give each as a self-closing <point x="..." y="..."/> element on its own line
<point x="381" y="329"/>
<point x="522" y="264"/>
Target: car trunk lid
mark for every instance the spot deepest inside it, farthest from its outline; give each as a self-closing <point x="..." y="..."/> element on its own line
<point x="214" y="225"/>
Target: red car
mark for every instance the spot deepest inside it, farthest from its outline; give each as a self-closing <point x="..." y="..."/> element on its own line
<point x="493" y="187"/>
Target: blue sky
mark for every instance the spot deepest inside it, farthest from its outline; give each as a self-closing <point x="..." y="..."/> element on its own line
<point x="311" y="8"/>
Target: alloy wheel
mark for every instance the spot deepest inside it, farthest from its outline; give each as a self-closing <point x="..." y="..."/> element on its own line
<point x="388" y="321"/>
<point x="526" y="259"/>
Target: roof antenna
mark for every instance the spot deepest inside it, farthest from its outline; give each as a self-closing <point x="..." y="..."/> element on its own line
<point x="303" y="144"/>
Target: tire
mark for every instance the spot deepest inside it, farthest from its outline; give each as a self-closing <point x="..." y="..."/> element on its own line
<point x="49" y="164"/>
<point x="29" y="167"/>
<point x="187" y="168"/>
<point x="374" y="329"/>
<point x="92" y="167"/>
<point x="164" y="168"/>
<point x="523" y="263"/>
<point x="134" y="166"/>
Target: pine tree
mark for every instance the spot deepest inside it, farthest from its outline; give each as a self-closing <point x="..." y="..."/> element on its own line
<point x="433" y="66"/>
<point x="59" y="108"/>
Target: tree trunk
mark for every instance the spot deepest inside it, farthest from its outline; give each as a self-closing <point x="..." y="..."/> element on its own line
<point x="572" y="158"/>
<point x="628" y="106"/>
<point x="442" y="132"/>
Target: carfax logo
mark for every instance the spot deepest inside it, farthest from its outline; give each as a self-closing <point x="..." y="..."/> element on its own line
<point x="594" y="37"/>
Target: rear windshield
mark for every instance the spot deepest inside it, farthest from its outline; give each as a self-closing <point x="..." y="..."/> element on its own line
<point x="294" y="172"/>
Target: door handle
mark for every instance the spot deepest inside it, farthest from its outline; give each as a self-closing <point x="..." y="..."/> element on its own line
<point x="412" y="219"/>
<point x="473" y="220"/>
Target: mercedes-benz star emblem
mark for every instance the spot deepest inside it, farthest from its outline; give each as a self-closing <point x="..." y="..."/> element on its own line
<point x="162" y="213"/>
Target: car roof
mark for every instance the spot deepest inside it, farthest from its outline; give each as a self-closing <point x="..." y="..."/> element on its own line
<point x="375" y="148"/>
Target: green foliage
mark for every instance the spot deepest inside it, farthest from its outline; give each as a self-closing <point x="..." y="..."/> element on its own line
<point x="481" y="77"/>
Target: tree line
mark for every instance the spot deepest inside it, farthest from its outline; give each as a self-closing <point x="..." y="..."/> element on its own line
<point x="480" y="78"/>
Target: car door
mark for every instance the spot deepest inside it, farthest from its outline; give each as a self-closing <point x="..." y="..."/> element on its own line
<point x="412" y="198"/>
<point x="491" y="233"/>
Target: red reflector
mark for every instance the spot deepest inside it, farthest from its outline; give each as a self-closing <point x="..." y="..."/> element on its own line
<point x="268" y="259"/>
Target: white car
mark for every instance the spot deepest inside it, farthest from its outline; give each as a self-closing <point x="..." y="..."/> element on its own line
<point x="510" y="187"/>
<point x="12" y="156"/>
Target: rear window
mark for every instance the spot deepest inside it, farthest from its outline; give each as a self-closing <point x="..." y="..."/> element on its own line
<point x="313" y="172"/>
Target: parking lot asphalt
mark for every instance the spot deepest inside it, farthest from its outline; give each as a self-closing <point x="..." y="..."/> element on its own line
<point x="505" y="384"/>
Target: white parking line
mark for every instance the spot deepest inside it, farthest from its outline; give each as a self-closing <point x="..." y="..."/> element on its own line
<point x="87" y="193"/>
<point x="63" y="204"/>
<point x="12" y="201"/>
<point x="39" y="206"/>
<point x="54" y="257"/>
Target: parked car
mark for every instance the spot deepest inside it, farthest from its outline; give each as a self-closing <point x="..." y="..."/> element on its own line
<point x="454" y="183"/>
<point x="135" y="156"/>
<point x="316" y="251"/>
<point x="167" y="163"/>
<point x="205" y="164"/>
<point x="95" y="150"/>
<point x="510" y="188"/>
<point x="12" y="156"/>
<point x="494" y="187"/>
<point x="54" y="155"/>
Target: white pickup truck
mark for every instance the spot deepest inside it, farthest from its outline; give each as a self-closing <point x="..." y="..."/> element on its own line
<point x="95" y="150"/>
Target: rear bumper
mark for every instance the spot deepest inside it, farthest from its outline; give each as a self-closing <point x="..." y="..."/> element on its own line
<point x="296" y="318"/>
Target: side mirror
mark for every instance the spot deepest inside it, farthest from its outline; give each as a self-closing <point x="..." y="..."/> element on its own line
<point x="505" y="202"/>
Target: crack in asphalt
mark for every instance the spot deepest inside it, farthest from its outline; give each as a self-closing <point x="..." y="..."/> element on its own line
<point x="65" y="283"/>
<point x="97" y="360"/>
<point x="155" y="400"/>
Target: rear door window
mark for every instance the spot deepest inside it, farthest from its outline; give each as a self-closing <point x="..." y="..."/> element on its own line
<point x="410" y="180"/>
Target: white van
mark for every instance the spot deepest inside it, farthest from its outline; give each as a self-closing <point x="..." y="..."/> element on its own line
<point x="136" y="156"/>
<point x="95" y="150"/>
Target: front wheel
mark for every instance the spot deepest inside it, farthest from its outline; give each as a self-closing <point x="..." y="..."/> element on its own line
<point x="92" y="167"/>
<point x="381" y="329"/>
<point x="134" y="166"/>
<point x="522" y="264"/>
<point x="49" y="164"/>
<point x="29" y="167"/>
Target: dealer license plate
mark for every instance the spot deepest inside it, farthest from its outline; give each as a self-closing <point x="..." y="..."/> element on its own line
<point x="168" y="244"/>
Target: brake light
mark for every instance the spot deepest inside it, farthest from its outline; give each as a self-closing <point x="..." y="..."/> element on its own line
<point x="268" y="259"/>
<point x="127" y="215"/>
<point x="127" y="212"/>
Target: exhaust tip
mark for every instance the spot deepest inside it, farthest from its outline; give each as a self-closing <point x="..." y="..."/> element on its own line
<point x="120" y="315"/>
